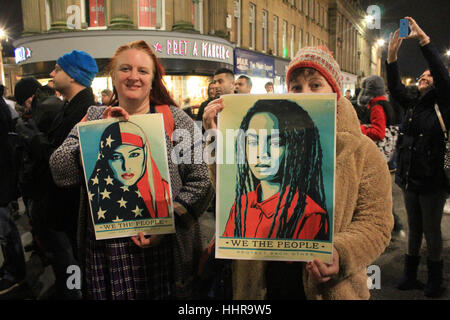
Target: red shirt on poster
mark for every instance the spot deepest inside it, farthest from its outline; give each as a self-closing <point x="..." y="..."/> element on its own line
<point x="260" y="216"/>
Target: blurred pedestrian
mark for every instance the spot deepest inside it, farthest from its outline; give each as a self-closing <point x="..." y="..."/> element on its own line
<point x="13" y="271"/>
<point x="377" y="114"/>
<point x="106" y="97"/>
<point x="211" y="96"/>
<point x="243" y="84"/>
<point x="348" y="94"/>
<point x="54" y="210"/>
<point x="269" y="87"/>
<point x="420" y="160"/>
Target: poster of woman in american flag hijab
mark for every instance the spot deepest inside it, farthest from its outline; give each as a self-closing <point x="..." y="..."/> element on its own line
<point x="127" y="176"/>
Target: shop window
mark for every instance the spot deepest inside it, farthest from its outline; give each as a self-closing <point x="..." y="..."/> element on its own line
<point x="150" y="14"/>
<point x="307" y="39"/>
<point x="285" y="48"/>
<point x="264" y="30"/>
<point x="193" y="87"/>
<point x="292" y="44"/>
<point x="275" y="35"/>
<point x="237" y="21"/>
<point x="252" y="23"/>
<point x="93" y="13"/>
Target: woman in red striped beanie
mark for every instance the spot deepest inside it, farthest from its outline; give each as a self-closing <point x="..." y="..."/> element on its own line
<point x="363" y="202"/>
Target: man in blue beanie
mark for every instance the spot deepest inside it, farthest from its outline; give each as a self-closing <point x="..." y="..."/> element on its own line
<point x="74" y="72"/>
<point x="55" y="213"/>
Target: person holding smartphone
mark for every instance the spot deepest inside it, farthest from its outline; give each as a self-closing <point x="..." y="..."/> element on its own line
<point x="420" y="160"/>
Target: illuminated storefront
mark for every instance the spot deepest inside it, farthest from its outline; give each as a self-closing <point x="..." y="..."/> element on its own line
<point x="188" y="59"/>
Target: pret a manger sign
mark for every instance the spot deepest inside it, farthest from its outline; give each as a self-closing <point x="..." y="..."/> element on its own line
<point x="193" y="48"/>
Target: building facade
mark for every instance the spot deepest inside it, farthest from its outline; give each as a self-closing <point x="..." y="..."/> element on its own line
<point x="195" y="37"/>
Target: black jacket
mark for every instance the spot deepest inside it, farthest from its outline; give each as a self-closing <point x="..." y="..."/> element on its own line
<point x="60" y="205"/>
<point x="421" y="141"/>
<point x="7" y="175"/>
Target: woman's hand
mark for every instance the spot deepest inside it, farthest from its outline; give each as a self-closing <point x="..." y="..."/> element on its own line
<point x="115" y="112"/>
<point x="147" y="241"/>
<point x="394" y="44"/>
<point x="322" y="272"/>
<point x="210" y="113"/>
<point x="417" y="32"/>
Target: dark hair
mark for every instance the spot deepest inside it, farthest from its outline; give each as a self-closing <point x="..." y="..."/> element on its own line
<point x="159" y="94"/>
<point x="224" y="70"/>
<point x="48" y="90"/>
<point x="247" y="79"/>
<point x="301" y="166"/>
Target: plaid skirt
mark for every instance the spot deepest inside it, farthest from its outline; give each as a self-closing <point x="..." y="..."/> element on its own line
<point x="117" y="269"/>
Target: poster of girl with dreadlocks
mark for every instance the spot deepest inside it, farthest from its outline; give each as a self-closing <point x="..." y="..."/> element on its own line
<point x="279" y="203"/>
<point x="127" y="176"/>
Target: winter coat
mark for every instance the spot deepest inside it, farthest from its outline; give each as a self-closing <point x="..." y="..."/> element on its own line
<point x="59" y="206"/>
<point x="7" y="176"/>
<point x="362" y="218"/>
<point x="420" y="145"/>
<point x="190" y="187"/>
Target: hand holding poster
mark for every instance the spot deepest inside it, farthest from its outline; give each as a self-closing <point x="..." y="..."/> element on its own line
<point x="127" y="177"/>
<point x="275" y="179"/>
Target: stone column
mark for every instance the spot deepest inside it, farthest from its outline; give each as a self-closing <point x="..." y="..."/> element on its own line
<point x="121" y="14"/>
<point x="58" y="15"/>
<point x="217" y="14"/>
<point x="31" y="17"/>
<point x="183" y="16"/>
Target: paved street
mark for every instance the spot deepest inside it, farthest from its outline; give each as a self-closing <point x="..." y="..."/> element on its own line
<point x="40" y="278"/>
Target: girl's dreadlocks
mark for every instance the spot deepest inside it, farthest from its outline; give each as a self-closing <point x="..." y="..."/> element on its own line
<point x="300" y="171"/>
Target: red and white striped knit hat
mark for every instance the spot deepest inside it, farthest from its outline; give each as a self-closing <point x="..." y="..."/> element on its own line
<point x="320" y="59"/>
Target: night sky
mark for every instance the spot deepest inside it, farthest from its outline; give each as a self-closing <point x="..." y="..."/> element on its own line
<point x="431" y="15"/>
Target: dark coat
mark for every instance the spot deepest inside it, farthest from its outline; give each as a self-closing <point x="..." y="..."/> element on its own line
<point x="33" y="168"/>
<point x="6" y="165"/>
<point x="421" y="141"/>
<point x="60" y="205"/>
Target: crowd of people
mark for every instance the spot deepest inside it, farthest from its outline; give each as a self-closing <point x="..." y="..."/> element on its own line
<point x="41" y="164"/>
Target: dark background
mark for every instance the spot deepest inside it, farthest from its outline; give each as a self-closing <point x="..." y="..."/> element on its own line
<point x="431" y="15"/>
<point x="433" y="18"/>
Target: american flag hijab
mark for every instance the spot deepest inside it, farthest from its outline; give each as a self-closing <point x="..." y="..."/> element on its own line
<point x="112" y="200"/>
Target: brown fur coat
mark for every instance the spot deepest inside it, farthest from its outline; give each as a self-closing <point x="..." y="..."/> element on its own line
<point x="363" y="218"/>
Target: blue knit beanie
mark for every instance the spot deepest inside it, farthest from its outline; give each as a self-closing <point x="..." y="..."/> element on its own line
<point x="80" y="66"/>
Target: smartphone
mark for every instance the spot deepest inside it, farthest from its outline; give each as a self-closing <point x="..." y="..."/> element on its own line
<point x="404" y="28"/>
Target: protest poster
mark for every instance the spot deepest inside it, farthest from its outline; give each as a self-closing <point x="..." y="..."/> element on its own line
<point x="275" y="177"/>
<point x="127" y="176"/>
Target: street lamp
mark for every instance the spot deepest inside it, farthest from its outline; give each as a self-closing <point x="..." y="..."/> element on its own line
<point x="381" y="42"/>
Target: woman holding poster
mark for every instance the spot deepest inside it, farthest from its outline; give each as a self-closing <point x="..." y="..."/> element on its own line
<point x="287" y="171"/>
<point x="363" y="202"/>
<point x="140" y="267"/>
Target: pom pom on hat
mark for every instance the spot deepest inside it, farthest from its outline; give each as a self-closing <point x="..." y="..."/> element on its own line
<point x="80" y="66"/>
<point x="320" y="59"/>
<point x="25" y="88"/>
